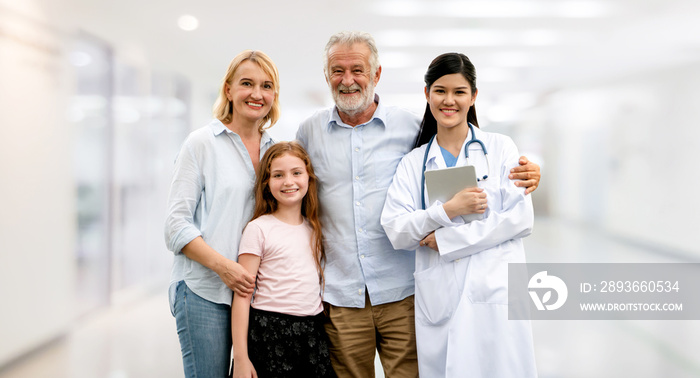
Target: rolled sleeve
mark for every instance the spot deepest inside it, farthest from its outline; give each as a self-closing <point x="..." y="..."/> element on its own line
<point x="185" y="193"/>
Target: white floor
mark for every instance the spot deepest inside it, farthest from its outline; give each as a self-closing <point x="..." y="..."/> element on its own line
<point x="139" y="339"/>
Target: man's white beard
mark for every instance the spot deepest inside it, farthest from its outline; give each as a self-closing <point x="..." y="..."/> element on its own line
<point x="353" y="106"/>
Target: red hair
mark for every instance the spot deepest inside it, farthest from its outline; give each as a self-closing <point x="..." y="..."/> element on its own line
<point x="265" y="202"/>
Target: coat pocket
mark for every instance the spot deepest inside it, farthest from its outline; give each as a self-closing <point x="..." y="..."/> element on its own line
<point x="487" y="278"/>
<point x="437" y="294"/>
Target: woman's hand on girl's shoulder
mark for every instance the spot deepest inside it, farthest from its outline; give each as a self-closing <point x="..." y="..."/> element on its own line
<point x="237" y="278"/>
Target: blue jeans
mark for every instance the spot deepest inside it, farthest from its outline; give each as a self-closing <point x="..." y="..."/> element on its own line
<point x="204" y="329"/>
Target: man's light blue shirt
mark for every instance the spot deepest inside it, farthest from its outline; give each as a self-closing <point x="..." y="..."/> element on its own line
<point x="355" y="166"/>
<point x="211" y="196"/>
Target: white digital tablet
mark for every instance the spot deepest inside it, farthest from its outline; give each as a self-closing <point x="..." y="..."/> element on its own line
<point x="443" y="184"/>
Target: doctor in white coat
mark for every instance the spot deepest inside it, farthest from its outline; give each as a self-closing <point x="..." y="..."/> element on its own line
<point x="461" y="302"/>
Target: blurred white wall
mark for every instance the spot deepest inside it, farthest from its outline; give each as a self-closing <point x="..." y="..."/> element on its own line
<point x="88" y="136"/>
<point x="621" y="154"/>
<point x="37" y="222"/>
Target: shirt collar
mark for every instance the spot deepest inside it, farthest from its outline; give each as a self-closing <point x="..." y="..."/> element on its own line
<point x="435" y="158"/>
<point x="266" y="138"/>
<point x="217" y="127"/>
<point x="379" y="114"/>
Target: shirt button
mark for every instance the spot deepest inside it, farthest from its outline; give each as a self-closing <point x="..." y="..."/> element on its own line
<point x="359" y="291"/>
<point x="357" y="149"/>
<point x="357" y="177"/>
<point x="363" y="256"/>
<point x="357" y="203"/>
<point x="359" y="230"/>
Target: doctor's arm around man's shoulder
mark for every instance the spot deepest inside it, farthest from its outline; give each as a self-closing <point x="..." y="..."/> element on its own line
<point x="527" y="175"/>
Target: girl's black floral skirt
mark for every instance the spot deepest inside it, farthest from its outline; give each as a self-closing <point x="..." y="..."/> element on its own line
<point x="281" y="345"/>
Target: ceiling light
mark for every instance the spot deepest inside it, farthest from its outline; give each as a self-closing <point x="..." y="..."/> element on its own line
<point x="582" y="9"/>
<point x="188" y="22"/>
<point x="494" y="9"/>
<point x="539" y="37"/>
<point x="466" y="38"/>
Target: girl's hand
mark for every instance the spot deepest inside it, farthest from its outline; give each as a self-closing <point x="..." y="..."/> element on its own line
<point x="243" y="368"/>
<point x="430" y="241"/>
<point x="468" y="201"/>
<point x="237" y="278"/>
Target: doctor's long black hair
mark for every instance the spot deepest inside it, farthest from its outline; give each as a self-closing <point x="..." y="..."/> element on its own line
<point x="446" y="64"/>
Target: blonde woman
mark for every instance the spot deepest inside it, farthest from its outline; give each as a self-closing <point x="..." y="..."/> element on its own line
<point x="210" y="202"/>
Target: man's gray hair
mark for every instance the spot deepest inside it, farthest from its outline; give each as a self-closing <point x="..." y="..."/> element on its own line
<point x="349" y="38"/>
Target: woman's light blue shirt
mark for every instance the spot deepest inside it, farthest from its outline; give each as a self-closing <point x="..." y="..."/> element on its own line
<point x="211" y="195"/>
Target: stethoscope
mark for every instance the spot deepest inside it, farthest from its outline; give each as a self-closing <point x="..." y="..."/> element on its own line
<point x="466" y="154"/>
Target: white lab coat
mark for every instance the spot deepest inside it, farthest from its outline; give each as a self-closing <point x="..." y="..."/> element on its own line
<point x="461" y="301"/>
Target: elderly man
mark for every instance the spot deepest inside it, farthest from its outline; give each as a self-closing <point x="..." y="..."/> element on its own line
<point x="355" y="147"/>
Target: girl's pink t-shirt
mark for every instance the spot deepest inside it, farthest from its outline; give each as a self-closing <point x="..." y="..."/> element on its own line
<point x="287" y="281"/>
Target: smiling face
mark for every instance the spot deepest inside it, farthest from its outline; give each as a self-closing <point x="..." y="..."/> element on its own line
<point x="350" y="77"/>
<point x="289" y="180"/>
<point x="450" y="98"/>
<point x="251" y="92"/>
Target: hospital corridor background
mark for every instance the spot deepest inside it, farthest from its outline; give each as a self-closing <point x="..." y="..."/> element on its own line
<point x="96" y="98"/>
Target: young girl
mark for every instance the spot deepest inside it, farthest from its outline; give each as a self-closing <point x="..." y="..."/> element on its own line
<point x="461" y="302"/>
<point x="280" y="332"/>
